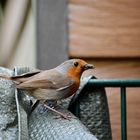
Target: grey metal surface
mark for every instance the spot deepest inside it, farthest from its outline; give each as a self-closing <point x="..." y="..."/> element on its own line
<point x="96" y="115"/>
<point x="94" y="111"/>
<point x="46" y="126"/>
<point x="8" y="112"/>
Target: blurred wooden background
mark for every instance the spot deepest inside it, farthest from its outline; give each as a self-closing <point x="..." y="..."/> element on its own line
<point x="17" y="39"/>
<point x="105" y="33"/>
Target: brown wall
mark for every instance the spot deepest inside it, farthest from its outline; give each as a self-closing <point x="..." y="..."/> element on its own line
<point x="107" y="34"/>
<point x="109" y="28"/>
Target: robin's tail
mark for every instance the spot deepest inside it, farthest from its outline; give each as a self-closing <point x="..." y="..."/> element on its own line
<point x="5" y="77"/>
<point x="14" y="79"/>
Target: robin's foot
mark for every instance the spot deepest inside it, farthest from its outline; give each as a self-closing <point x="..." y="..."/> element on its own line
<point x="64" y="116"/>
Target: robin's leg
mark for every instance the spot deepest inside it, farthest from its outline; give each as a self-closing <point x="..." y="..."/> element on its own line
<point x="46" y="105"/>
<point x="34" y="106"/>
<point x="65" y="116"/>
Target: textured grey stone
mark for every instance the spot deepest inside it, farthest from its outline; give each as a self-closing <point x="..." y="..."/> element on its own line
<point x="46" y="126"/>
<point x="8" y="113"/>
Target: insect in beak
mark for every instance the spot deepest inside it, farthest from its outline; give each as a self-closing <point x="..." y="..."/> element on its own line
<point x="88" y="66"/>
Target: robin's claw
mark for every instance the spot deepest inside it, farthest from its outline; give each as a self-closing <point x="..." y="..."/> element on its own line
<point x="64" y="116"/>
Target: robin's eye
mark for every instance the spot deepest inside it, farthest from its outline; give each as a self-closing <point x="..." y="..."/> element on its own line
<point x="76" y="64"/>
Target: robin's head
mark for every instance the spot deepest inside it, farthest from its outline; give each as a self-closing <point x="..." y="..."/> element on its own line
<point x="74" y="67"/>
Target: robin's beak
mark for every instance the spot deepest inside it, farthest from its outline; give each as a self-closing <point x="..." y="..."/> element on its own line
<point x="88" y="66"/>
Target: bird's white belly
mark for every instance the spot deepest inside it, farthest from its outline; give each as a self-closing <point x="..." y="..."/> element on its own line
<point x="50" y="94"/>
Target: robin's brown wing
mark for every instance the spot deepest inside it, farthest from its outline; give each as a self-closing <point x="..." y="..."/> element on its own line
<point x="50" y="79"/>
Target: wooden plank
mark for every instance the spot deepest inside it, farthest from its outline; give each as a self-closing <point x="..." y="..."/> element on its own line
<point x="104" y="28"/>
<point x="52" y="42"/>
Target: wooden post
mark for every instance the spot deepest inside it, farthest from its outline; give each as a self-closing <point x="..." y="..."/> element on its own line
<point x="51" y="32"/>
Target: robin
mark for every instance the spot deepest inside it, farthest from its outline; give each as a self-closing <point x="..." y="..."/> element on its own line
<point x="54" y="84"/>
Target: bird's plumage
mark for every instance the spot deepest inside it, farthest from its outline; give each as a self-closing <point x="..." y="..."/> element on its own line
<point x="54" y="84"/>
